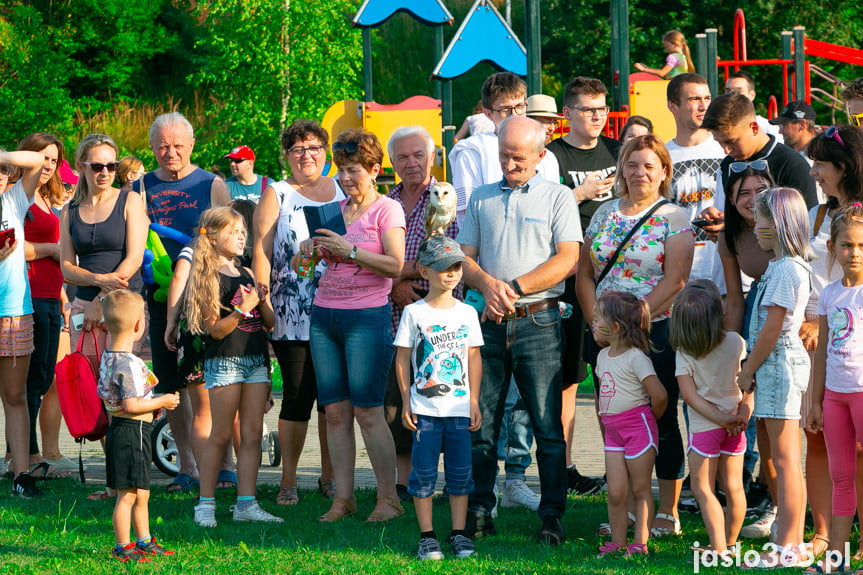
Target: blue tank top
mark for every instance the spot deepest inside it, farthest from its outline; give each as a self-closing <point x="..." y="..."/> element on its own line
<point x="177" y="204"/>
<point x="101" y="247"/>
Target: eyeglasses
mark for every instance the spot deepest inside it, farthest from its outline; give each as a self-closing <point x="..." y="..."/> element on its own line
<point x="97" y="167"/>
<point x="346" y="147"/>
<point x="506" y="111"/>
<point x="856" y="119"/>
<point x="833" y="132"/>
<point x="236" y="160"/>
<point x="314" y="151"/>
<point x="758" y="165"/>
<point x="589" y="112"/>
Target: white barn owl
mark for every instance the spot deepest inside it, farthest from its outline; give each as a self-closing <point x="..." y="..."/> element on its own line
<point x="440" y="210"/>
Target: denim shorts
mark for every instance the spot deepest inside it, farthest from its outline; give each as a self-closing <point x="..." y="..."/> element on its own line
<point x="352" y="350"/>
<point x="781" y="380"/>
<point x="222" y="371"/>
<point x="433" y="435"/>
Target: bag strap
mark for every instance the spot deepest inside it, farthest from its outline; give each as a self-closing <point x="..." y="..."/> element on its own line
<point x="80" y="345"/>
<point x="819" y="219"/>
<point x="610" y="263"/>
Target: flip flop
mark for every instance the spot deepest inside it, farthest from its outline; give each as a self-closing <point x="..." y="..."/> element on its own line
<point x="334" y="516"/>
<point x="182" y="482"/>
<point x="45" y="472"/>
<point x="63" y="463"/>
<point x="287" y="496"/>
<point x="99" y="496"/>
<point x="226" y="476"/>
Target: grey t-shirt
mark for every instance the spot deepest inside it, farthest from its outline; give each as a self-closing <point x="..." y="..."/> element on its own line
<point x="516" y="230"/>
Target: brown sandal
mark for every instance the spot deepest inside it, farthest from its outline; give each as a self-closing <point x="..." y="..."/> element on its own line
<point x="287" y="496"/>
<point x="380" y="516"/>
<point x="820" y="544"/>
<point x="859" y="554"/>
<point x="334" y="516"/>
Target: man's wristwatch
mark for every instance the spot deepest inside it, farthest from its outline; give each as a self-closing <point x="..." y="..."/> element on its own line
<point x="353" y="254"/>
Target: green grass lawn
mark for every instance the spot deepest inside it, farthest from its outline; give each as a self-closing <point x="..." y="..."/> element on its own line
<point x="65" y="533"/>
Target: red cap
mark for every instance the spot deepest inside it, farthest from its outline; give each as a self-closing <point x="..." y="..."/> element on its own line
<point x="66" y="174"/>
<point x="241" y="153"/>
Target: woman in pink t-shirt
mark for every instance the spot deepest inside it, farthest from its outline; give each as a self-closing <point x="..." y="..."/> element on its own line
<point x="350" y="337"/>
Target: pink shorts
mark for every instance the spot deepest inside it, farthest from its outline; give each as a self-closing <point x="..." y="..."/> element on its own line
<point x="632" y="431"/>
<point x="717" y="442"/>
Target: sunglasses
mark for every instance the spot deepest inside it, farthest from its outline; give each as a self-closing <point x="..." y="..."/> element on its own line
<point x="236" y="160"/>
<point x="346" y="147"/>
<point x="856" y="119"/>
<point x="833" y="132"/>
<point x="97" y="167"/>
<point x="737" y="167"/>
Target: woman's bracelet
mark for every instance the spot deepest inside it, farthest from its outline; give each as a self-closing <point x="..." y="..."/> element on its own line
<point x="246" y="314"/>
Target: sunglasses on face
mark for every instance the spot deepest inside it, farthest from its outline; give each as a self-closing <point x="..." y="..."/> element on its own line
<point x="97" y="167"/>
<point x="737" y="167"/>
<point x="237" y="160"/>
<point x="346" y="147"/>
<point x="833" y="132"/>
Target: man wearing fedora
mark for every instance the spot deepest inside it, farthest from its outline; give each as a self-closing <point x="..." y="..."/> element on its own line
<point x="543" y="109"/>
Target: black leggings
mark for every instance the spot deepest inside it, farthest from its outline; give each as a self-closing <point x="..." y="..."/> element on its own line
<point x="299" y="386"/>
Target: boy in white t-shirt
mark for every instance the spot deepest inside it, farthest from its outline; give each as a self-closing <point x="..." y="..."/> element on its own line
<point x="439" y="370"/>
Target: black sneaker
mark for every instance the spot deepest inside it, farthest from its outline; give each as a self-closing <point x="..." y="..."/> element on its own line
<point x="582" y="484"/>
<point x="479" y="525"/>
<point x="25" y="486"/>
<point x="152" y="548"/>
<point x="129" y="553"/>
<point x="551" y="532"/>
<point x="461" y="546"/>
<point x="429" y="550"/>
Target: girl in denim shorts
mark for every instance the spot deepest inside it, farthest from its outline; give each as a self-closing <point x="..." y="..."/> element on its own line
<point x="778" y="363"/>
<point x="222" y="302"/>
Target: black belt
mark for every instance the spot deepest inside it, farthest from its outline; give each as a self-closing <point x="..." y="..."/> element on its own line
<point x="536" y="307"/>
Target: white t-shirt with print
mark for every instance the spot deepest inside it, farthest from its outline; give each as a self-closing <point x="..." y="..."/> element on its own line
<point x="843" y="307"/>
<point x="787" y="283"/>
<point x="620" y="380"/>
<point x="439" y="340"/>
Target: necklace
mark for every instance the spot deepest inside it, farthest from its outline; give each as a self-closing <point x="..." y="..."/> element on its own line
<point x="358" y="211"/>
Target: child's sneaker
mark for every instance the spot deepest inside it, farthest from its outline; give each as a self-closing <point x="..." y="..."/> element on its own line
<point x="254" y="513"/>
<point x="25" y="486"/>
<point x="461" y="546"/>
<point x="129" y="552"/>
<point x="152" y="548"/>
<point x="429" y="550"/>
<point x="205" y="514"/>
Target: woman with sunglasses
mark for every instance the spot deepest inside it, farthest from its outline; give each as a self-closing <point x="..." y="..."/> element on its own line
<point x="102" y="234"/>
<point x="837" y="156"/>
<point x="16" y="310"/>
<point x="350" y="332"/>
<point x="280" y="226"/>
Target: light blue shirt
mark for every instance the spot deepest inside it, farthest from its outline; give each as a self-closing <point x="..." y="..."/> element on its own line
<point x="14" y="285"/>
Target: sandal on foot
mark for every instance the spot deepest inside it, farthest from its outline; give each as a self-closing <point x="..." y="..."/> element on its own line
<point x="859" y="554"/>
<point x="287" y="496"/>
<point x="182" y="482"/>
<point x="381" y="516"/>
<point x="334" y="515"/>
<point x="609" y="548"/>
<point x="819" y="545"/>
<point x="45" y="472"/>
<point x="634" y="549"/>
<point x="327" y="488"/>
<point x="227" y="479"/>
<point x="657" y="532"/>
<point x="604" y="529"/>
<point x="100" y="495"/>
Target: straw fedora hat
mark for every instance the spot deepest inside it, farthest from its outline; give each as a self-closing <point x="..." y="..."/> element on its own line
<point x="542" y="106"/>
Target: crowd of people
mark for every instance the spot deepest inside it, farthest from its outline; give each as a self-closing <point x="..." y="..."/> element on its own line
<point x="723" y="266"/>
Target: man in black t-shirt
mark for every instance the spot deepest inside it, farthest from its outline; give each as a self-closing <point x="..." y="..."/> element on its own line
<point x="587" y="162"/>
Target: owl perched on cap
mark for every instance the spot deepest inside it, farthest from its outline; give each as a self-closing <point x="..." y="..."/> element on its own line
<point x="440" y="210"/>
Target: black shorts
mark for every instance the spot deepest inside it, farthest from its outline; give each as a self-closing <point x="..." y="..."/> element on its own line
<point x="299" y="386"/>
<point x="164" y="360"/>
<point x="128" y="453"/>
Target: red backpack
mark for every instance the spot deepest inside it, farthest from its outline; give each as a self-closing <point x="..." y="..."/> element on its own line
<point x="82" y="409"/>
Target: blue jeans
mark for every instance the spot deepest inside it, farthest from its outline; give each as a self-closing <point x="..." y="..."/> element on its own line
<point x="434" y="435"/>
<point x="516" y="435"/>
<point x="352" y="350"/>
<point x="528" y="349"/>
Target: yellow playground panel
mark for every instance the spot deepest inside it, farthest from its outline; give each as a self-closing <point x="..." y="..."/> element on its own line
<point x="648" y="98"/>
<point x="382" y="120"/>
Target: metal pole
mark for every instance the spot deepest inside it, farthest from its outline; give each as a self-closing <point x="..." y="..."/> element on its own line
<point x="799" y="64"/>
<point x="712" y="70"/>
<point x="701" y="54"/>
<point x="438" y="54"/>
<point x="620" y="53"/>
<point x="787" y="55"/>
<point x="448" y="127"/>
<point x="534" y="49"/>
<point x="367" y="65"/>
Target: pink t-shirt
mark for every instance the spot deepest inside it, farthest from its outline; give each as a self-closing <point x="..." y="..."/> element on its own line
<point x="347" y="285"/>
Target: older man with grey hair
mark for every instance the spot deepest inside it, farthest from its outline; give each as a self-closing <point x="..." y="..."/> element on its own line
<point x="412" y="153"/>
<point x="176" y="195"/>
<point x="522" y="237"/>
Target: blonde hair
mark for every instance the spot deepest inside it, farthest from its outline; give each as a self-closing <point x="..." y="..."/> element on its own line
<point x="646" y="142"/>
<point x="696" y="325"/>
<point x="631" y="313"/>
<point x="202" y="297"/>
<point x="128" y="164"/>
<point x="122" y="308"/>
<point x="677" y="38"/>
<point x="83" y="151"/>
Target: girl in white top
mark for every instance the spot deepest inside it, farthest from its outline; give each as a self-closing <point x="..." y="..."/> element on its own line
<point x="708" y="359"/>
<point x="631" y="399"/>
<point x="837" y="394"/>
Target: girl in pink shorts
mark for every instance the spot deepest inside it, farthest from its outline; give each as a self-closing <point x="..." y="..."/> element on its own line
<point x="631" y="398"/>
<point x="707" y="362"/>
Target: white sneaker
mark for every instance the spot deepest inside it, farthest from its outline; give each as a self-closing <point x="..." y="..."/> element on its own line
<point x="496" y="492"/>
<point x="516" y="492"/>
<point x="205" y="514"/>
<point x="254" y="513"/>
<point x="760" y="528"/>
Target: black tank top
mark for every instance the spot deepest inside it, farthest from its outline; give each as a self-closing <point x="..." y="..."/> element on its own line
<point x="248" y="339"/>
<point x="101" y="247"/>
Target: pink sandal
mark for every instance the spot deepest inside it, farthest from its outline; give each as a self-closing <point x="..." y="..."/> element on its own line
<point x="609" y="548"/>
<point x="634" y="549"/>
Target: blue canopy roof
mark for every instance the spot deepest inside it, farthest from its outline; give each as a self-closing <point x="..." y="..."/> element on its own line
<point x="375" y="12"/>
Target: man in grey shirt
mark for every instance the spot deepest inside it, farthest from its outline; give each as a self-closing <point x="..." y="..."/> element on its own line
<point x="522" y="237"/>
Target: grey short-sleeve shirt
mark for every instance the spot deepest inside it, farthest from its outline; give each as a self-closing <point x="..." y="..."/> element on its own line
<point x="516" y="230"/>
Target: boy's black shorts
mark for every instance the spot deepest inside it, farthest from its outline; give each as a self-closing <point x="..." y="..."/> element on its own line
<point x="128" y="453"/>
